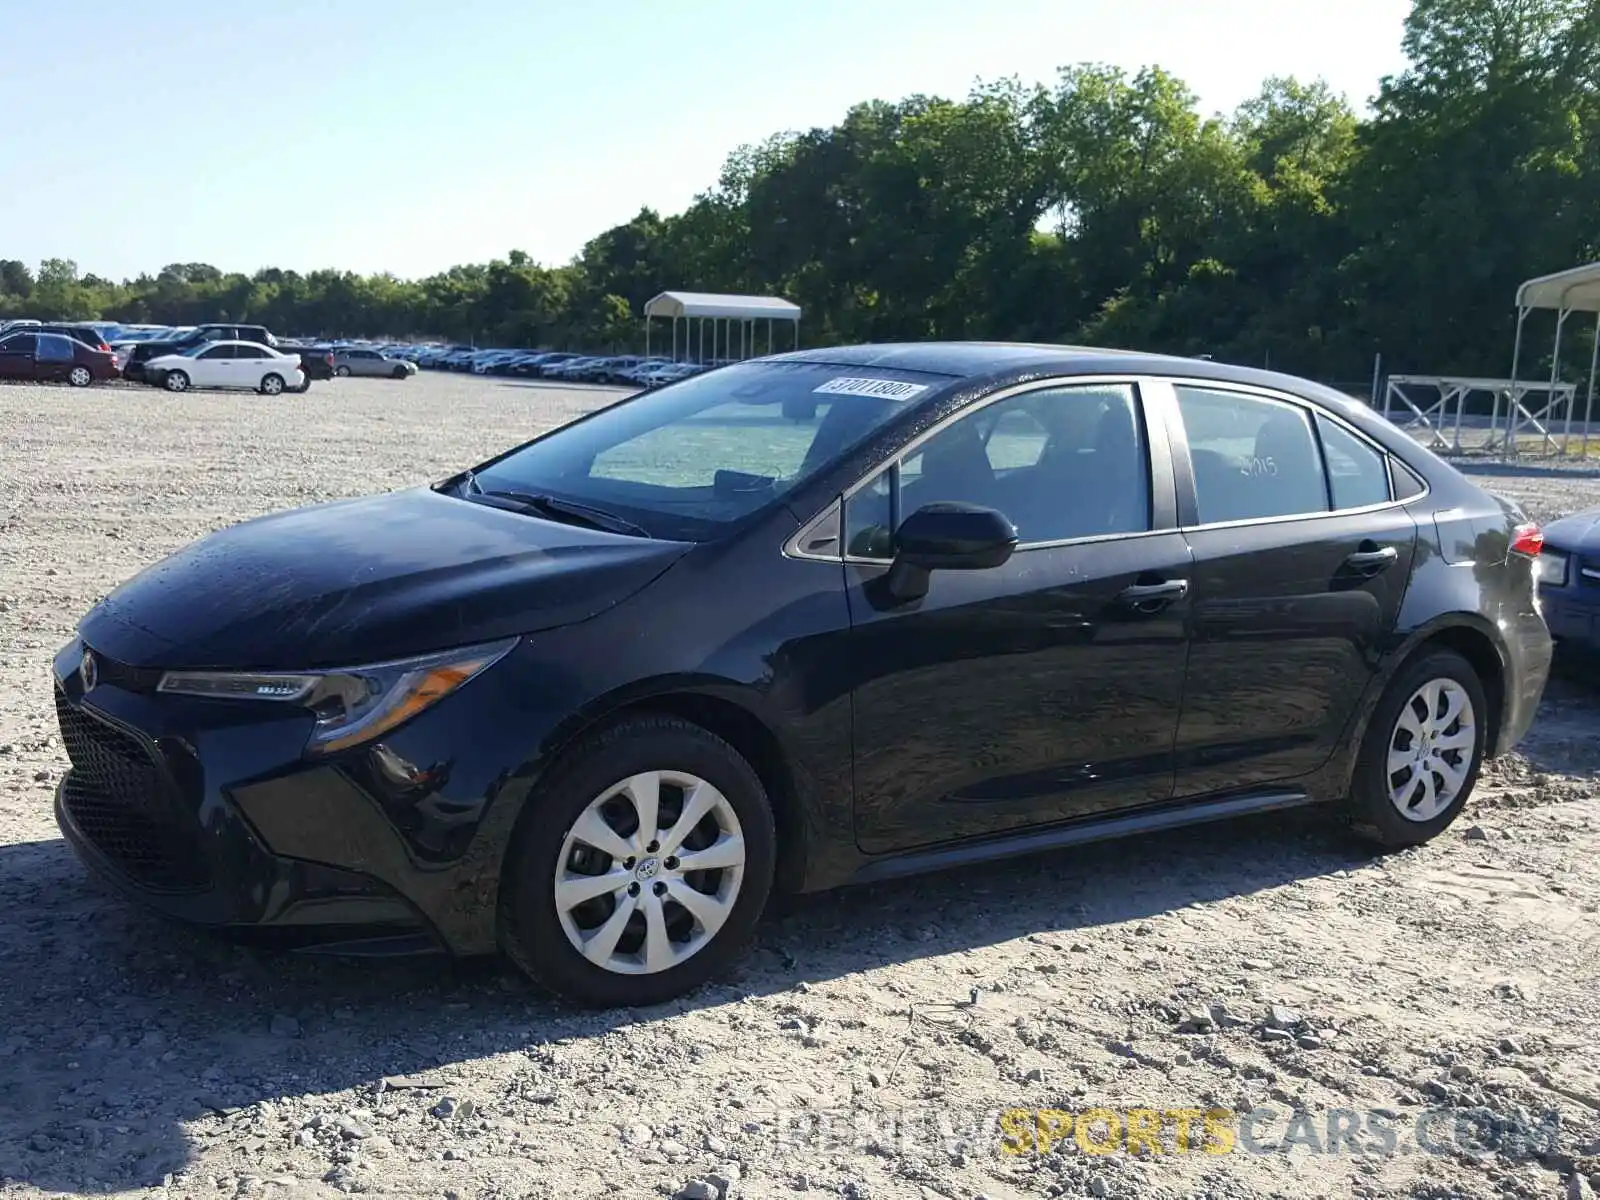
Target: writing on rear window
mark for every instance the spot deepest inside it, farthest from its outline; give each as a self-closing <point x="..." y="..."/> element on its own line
<point x="886" y="389"/>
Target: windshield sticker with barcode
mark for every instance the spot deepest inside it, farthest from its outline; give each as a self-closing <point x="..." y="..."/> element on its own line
<point x="887" y="389"/>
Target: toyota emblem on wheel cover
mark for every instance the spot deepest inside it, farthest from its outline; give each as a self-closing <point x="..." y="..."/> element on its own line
<point x="89" y="670"/>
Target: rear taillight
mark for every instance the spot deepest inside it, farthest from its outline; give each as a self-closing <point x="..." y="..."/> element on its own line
<point x="1527" y="540"/>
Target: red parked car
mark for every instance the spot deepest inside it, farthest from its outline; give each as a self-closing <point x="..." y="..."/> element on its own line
<point x="53" y="358"/>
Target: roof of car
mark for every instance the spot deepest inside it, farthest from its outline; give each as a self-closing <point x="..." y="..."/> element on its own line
<point x="969" y="360"/>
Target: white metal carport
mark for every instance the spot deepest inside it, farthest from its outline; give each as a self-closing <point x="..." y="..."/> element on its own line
<point x="723" y="312"/>
<point x="1565" y="292"/>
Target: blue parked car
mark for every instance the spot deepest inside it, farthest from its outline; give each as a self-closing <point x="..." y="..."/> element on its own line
<point x="1569" y="579"/>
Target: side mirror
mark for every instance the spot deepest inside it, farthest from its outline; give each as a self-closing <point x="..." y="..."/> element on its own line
<point x="947" y="536"/>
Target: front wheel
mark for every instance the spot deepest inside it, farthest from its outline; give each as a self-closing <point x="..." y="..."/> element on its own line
<point x="272" y="385"/>
<point x="176" y="381"/>
<point x="645" y="869"/>
<point x="1423" y="748"/>
<point x="80" y="377"/>
<point x="401" y="373"/>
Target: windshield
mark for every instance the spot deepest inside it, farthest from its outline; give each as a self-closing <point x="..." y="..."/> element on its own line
<point x="691" y="459"/>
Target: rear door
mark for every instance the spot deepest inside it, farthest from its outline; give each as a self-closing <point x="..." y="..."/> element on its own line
<point x="1301" y="558"/>
<point x="251" y="363"/>
<point x="52" y="357"/>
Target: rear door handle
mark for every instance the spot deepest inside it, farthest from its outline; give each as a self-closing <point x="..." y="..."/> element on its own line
<point x="1371" y="562"/>
<point x="1150" y="597"/>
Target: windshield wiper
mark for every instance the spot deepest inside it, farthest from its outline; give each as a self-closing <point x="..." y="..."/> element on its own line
<point x="567" y="511"/>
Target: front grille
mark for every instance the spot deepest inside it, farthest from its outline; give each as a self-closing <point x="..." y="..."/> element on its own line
<point x="122" y="800"/>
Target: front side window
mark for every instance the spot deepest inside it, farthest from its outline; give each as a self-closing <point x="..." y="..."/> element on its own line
<point x="1061" y="463"/>
<point x="1357" y="474"/>
<point x="1253" y="458"/>
<point x="691" y="459"/>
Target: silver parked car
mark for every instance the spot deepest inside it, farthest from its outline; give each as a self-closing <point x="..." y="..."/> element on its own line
<point x="352" y="360"/>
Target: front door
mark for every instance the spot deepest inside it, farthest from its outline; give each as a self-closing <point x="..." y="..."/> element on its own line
<point x="16" y="356"/>
<point x="1040" y="691"/>
<point x="1301" y="561"/>
<point x="214" y="367"/>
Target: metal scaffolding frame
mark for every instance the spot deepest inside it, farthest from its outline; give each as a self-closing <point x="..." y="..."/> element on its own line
<point x="1565" y="292"/>
<point x="1440" y="412"/>
<point x="723" y="313"/>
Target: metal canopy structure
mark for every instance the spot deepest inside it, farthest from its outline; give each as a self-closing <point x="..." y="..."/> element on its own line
<point x="1565" y="292"/>
<point x="723" y="313"/>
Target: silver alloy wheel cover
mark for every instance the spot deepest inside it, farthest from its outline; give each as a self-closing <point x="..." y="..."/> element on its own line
<point x="272" y="385"/>
<point x="79" y="376"/>
<point x="649" y="882"/>
<point x="177" y="381"/>
<point x="1431" y="749"/>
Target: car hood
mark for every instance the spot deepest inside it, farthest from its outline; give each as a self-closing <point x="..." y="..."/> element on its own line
<point x="362" y="581"/>
<point x="1581" y="531"/>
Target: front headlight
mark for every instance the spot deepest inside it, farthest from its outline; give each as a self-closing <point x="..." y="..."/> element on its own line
<point x="352" y="705"/>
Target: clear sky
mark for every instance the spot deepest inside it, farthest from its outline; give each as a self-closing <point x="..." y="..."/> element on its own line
<point x="410" y="135"/>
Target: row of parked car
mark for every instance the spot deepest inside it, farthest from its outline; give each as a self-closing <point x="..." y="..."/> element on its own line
<point x="214" y="354"/>
<point x="637" y="369"/>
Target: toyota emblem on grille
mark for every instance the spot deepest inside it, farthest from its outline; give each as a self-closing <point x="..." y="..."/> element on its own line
<point x="89" y="670"/>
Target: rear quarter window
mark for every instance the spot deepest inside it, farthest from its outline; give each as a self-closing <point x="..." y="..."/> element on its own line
<point x="1358" y="476"/>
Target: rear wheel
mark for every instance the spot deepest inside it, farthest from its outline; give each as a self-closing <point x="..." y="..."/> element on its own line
<point x="1422" y="752"/>
<point x="645" y="870"/>
<point x="80" y="376"/>
<point x="342" y="372"/>
<point x="176" y="381"/>
<point x="272" y="385"/>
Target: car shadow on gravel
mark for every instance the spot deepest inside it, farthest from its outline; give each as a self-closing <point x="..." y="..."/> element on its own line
<point x="117" y="1028"/>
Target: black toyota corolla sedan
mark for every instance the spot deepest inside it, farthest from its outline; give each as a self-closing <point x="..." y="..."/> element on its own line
<point x="825" y="617"/>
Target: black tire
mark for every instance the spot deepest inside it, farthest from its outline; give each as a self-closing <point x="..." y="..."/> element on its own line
<point x="342" y="372"/>
<point x="1373" y="816"/>
<point x="272" y="385"/>
<point x="531" y="933"/>
<point x="304" y="387"/>
<point x="175" y="381"/>
<point x="401" y="373"/>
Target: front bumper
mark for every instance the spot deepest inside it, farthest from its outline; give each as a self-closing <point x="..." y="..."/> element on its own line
<point x="147" y="808"/>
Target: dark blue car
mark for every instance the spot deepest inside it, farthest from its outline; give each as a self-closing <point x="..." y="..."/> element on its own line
<point x="1569" y="579"/>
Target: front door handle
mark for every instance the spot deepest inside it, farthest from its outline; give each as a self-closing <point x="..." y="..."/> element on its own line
<point x="1152" y="597"/>
<point x="1374" y="561"/>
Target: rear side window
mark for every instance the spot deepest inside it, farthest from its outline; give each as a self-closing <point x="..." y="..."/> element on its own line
<point x="1254" y="458"/>
<point x="54" y="348"/>
<point x="1357" y="474"/>
<point x="216" y="352"/>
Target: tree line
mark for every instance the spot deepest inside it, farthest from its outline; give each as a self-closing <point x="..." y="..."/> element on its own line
<point x="1103" y="207"/>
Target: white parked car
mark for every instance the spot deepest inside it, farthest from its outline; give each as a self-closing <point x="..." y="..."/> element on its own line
<point x="227" y="365"/>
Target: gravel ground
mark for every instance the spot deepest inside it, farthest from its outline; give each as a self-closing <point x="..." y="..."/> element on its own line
<point x="872" y="1040"/>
